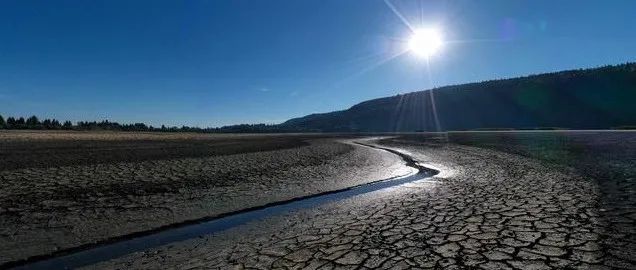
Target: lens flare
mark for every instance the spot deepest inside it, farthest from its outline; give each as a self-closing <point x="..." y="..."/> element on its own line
<point x="425" y="42"/>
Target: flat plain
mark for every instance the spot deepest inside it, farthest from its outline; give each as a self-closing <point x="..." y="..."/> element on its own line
<point x="63" y="190"/>
<point x="502" y="200"/>
<point x="515" y="200"/>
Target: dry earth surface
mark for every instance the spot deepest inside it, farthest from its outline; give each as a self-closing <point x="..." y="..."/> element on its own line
<point x="501" y="201"/>
<point x="61" y="190"/>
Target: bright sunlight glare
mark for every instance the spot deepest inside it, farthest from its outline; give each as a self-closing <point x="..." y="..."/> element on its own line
<point x="425" y="42"/>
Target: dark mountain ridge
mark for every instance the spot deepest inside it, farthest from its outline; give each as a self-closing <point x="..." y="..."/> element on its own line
<point x="596" y="98"/>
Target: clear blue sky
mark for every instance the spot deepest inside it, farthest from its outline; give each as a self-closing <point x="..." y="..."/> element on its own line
<point x="211" y="63"/>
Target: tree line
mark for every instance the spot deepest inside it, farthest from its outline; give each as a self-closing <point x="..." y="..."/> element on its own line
<point x="34" y="123"/>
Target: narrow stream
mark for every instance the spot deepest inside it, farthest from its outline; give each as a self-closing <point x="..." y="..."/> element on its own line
<point x="120" y="248"/>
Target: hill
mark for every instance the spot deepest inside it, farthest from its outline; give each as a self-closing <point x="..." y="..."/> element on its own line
<point x="597" y="98"/>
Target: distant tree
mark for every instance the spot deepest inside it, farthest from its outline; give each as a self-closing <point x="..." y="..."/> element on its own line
<point x="50" y="124"/>
<point x="20" y="123"/>
<point x="140" y="127"/>
<point x="11" y="123"/>
<point x="47" y="124"/>
<point x="67" y="125"/>
<point x="55" y="124"/>
<point x="33" y="122"/>
<point x="3" y="125"/>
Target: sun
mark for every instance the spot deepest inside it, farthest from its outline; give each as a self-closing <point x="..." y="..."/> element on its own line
<point x="425" y="42"/>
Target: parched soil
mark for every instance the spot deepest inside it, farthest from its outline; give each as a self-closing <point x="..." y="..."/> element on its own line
<point x="498" y="203"/>
<point x="64" y="190"/>
<point x="29" y="149"/>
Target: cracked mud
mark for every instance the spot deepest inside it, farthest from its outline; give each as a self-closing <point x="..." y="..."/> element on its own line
<point x="488" y="209"/>
<point x="125" y="185"/>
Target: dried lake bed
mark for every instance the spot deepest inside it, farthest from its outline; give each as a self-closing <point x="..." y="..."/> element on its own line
<point x="74" y="189"/>
<point x="502" y="200"/>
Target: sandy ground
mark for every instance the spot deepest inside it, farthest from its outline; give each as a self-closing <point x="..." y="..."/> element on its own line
<point x="121" y="186"/>
<point x="487" y="209"/>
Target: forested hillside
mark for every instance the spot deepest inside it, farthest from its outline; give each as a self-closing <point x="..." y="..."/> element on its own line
<point x="577" y="99"/>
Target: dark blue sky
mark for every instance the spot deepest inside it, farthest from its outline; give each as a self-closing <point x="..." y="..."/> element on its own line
<point x="211" y="63"/>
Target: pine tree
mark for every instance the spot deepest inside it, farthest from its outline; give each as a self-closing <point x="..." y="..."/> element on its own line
<point x="55" y="124"/>
<point x="11" y="123"/>
<point x="67" y="125"/>
<point x="20" y="123"/>
<point x="46" y="124"/>
<point x="3" y="125"/>
<point x="33" y="122"/>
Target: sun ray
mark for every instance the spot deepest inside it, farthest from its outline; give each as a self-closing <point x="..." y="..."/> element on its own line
<point x="477" y="40"/>
<point x="431" y="93"/>
<point x="399" y="15"/>
<point x="374" y="65"/>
